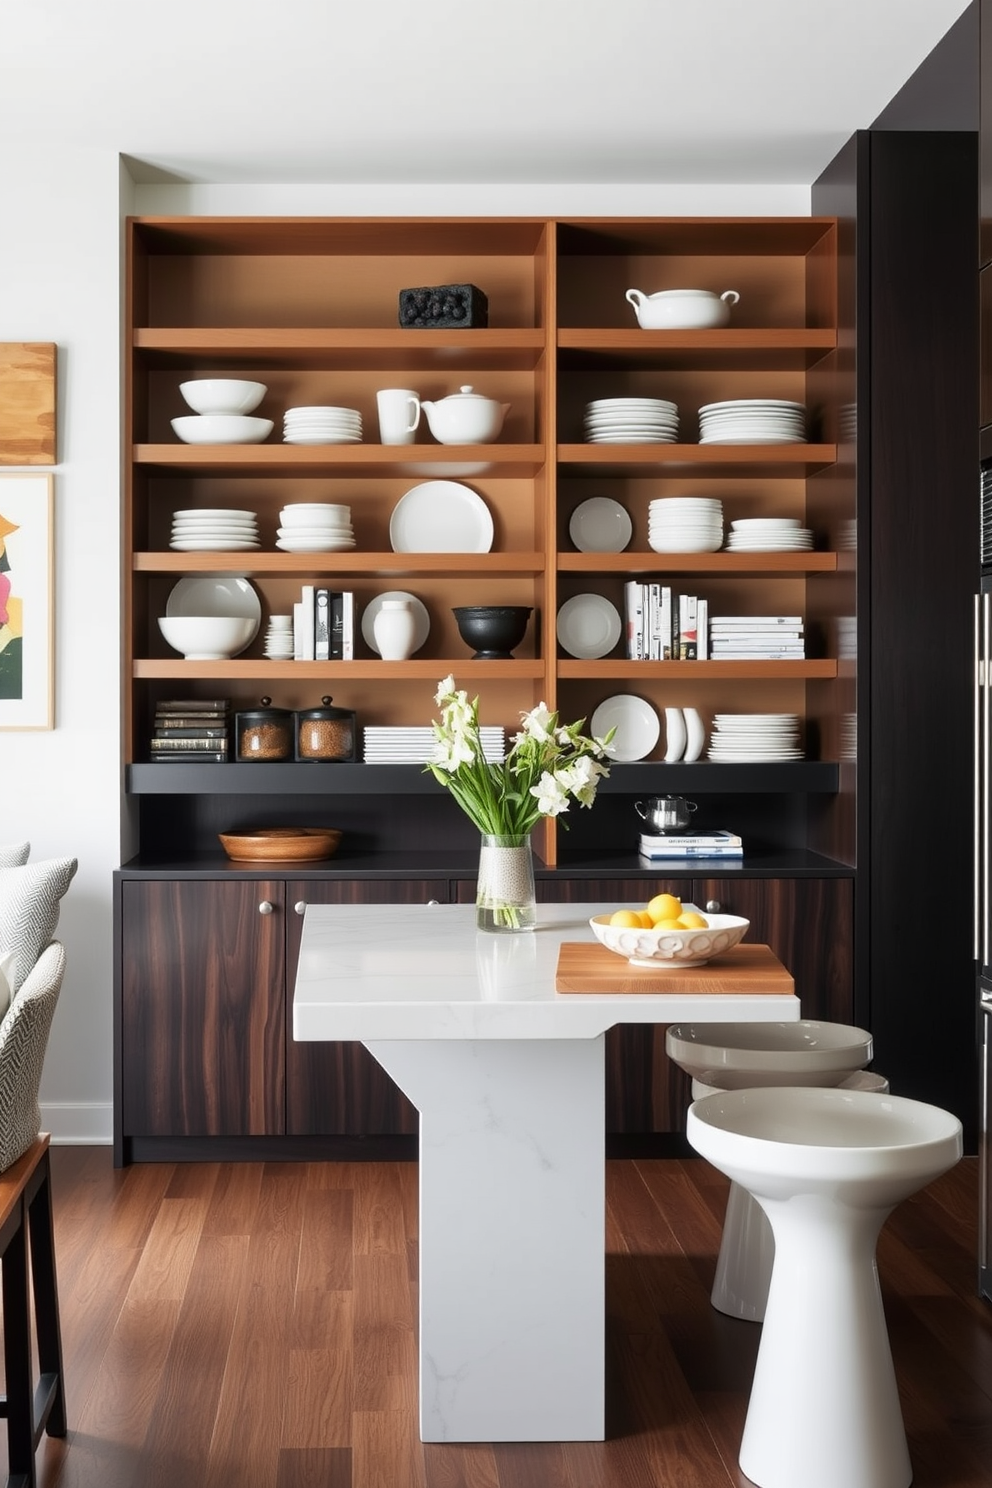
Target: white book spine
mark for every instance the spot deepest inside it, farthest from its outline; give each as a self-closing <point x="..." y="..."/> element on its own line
<point x="306" y="622"/>
<point x="348" y="627"/>
<point x="298" y="632"/>
<point x="666" y="622"/>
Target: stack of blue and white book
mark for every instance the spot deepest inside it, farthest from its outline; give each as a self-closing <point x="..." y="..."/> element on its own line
<point x="716" y="844"/>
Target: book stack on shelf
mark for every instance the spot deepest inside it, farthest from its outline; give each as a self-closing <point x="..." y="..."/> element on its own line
<point x="757" y="638"/>
<point x="717" y="844"/>
<point x="663" y="625"/>
<point x="191" y="729"/>
<point x="324" y="625"/>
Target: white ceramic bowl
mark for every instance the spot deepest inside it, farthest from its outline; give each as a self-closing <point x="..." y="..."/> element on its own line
<point x="682" y="309"/>
<point x="742" y="1056"/>
<point x="222" y="394"/>
<point x="207" y="637"/>
<point x="671" y="948"/>
<point x="221" y="428"/>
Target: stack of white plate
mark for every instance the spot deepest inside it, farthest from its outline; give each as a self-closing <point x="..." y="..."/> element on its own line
<point x="315" y="527"/>
<point x="769" y="535"/>
<point x="322" y="425"/>
<point x="210" y="529"/>
<point x="748" y="737"/>
<point x="415" y="745"/>
<point x="279" y="638"/>
<point x="631" y="421"/>
<point x="685" y="524"/>
<point x="752" y="421"/>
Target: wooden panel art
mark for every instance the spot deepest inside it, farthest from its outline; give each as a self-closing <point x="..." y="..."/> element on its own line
<point x="27" y="403"/>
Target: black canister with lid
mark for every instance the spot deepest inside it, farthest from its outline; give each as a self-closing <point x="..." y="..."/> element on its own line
<point x="325" y="733"/>
<point x="264" y="733"/>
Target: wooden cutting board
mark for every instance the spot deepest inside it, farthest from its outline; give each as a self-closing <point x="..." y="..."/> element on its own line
<point x="27" y="403"/>
<point x="585" y="966"/>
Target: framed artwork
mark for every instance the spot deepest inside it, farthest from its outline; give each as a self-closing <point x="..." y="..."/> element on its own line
<point x="27" y="601"/>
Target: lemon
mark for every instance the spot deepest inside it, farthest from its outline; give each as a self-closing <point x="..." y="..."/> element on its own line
<point x="647" y="923"/>
<point x="668" y="925"/>
<point x="664" y="907"/>
<point x="626" y="919"/>
<point x="690" y="920"/>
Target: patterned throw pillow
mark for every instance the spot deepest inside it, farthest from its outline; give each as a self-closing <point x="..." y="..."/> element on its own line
<point x="14" y="854"/>
<point x="7" y="959"/>
<point x="30" y="899"/>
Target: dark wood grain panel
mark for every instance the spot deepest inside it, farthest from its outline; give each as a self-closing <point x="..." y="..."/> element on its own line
<point x="338" y="1088"/>
<point x="203" y="1030"/>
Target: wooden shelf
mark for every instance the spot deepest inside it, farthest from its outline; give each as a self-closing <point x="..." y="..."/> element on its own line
<point x="257" y="669"/>
<point x="446" y="462"/>
<point x="231" y="348"/>
<point x="393" y="564"/>
<point x="620" y="669"/>
<point x="696" y="460"/>
<point x="716" y="564"/>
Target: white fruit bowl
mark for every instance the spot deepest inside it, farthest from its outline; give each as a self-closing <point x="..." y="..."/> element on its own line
<point x="207" y="637"/>
<point x="661" y="949"/>
<point x="742" y="1056"/>
<point x="222" y="394"/>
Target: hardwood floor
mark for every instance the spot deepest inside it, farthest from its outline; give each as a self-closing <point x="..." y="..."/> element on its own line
<point x="253" y="1326"/>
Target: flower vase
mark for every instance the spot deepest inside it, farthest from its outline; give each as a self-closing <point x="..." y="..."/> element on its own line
<point x="505" y="900"/>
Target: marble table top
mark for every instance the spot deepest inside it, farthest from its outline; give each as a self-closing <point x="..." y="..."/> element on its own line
<point x="425" y="972"/>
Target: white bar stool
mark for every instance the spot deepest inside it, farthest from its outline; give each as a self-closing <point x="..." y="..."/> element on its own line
<point x="827" y="1167"/>
<point x="735" y="1056"/>
<point x="747" y="1246"/>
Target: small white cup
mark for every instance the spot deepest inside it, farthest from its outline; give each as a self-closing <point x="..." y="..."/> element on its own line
<point x="399" y="415"/>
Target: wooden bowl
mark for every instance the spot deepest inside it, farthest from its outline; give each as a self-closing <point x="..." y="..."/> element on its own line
<point x="281" y="844"/>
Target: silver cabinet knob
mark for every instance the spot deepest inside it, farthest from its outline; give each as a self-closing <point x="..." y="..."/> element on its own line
<point x="300" y="906"/>
<point x="266" y="907"/>
<point x="712" y="906"/>
<point x="433" y="901"/>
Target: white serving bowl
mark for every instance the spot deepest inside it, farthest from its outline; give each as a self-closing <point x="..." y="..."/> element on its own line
<point x="671" y="949"/>
<point x="207" y="637"/>
<point x="221" y="428"/>
<point x="223" y="394"/>
<point x="741" y="1056"/>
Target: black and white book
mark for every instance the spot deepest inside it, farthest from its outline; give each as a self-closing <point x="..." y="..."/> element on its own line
<point x="322" y="624"/>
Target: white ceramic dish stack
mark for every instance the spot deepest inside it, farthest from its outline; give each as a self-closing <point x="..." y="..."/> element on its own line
<point x="222" y="407"/>
<point x="315" y="527"/>
<point x="769" y="535"/>
<point x="752" y="737"/>
<point x="752" y="421"/>
<point x="415" y="744"/>
<point x="214" y="530"/>
<point x="219" y="616"/>
<point x="279" y="638"/>
<point x="322" y="424"/>
<point x="685" y="524"/>
<point x="631" y="421"/>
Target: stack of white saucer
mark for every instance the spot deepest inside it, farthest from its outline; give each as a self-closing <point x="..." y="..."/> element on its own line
<point x="769" y="535"/>
<point x="752" y="421"/>
<point x="749" y="737"/>
<point x="279" y="638"/>
<point x="631" y="421"/>
<point x="315" y="527"/>
<point x="322" y="425"/>
<point x="214" y="530"/>
<point x="685" y="524"/>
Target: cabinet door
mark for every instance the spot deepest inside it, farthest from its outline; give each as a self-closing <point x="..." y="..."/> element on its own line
<point x="809" y="924"/>
<point x="203" y="1033"/>
<point x="338" y="1089"/>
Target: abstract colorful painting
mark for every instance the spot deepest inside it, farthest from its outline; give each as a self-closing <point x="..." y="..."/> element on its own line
<point x="26" y="602"/>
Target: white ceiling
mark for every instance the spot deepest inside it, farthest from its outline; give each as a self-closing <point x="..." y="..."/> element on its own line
<point x="596" y="91"/>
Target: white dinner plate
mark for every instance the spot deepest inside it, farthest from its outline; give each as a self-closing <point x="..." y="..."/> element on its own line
<point x="638" y="727"/>
<point x="212" y="545"/>
<point x="421" y="619"/>
<point x="441" y="516"/>
<point x="600" y="525"/>
<point x="589" y="626"/>
<point x="317" y="545"/>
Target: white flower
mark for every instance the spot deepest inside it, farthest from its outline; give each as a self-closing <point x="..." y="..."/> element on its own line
<point x="551" y="799"/>
<point x="451" y="751"/>
<point x="445" y="691"/>
<point x="581" y="779"/>
<point x="538" y="723"/>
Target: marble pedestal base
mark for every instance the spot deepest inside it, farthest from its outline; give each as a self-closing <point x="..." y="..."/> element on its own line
<point x="512" y="1235"/>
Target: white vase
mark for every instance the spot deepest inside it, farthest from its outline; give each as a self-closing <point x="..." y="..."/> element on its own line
<point x="505" y="897"/>
<point x="695" y="734"/>
<point x="393" y="627"/>
<point x="674" y="735"/>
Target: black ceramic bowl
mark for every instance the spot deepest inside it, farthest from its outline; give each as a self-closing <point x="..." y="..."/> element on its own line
<point x="493" y="630"/>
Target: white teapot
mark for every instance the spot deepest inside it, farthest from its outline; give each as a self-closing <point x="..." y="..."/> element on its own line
<point x="682" y="309"/>
<point x="465" y="417"/>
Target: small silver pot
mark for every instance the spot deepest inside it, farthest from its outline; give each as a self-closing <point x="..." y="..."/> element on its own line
<point x="665" y="813"/>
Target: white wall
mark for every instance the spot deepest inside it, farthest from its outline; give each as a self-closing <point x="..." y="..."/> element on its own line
<point x="60" y="280"/>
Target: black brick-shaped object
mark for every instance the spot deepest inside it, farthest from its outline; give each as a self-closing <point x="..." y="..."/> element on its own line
<point x="444" y="305"/>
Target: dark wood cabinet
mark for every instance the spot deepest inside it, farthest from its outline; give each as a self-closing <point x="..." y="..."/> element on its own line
<point x="203" y="1032"/>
